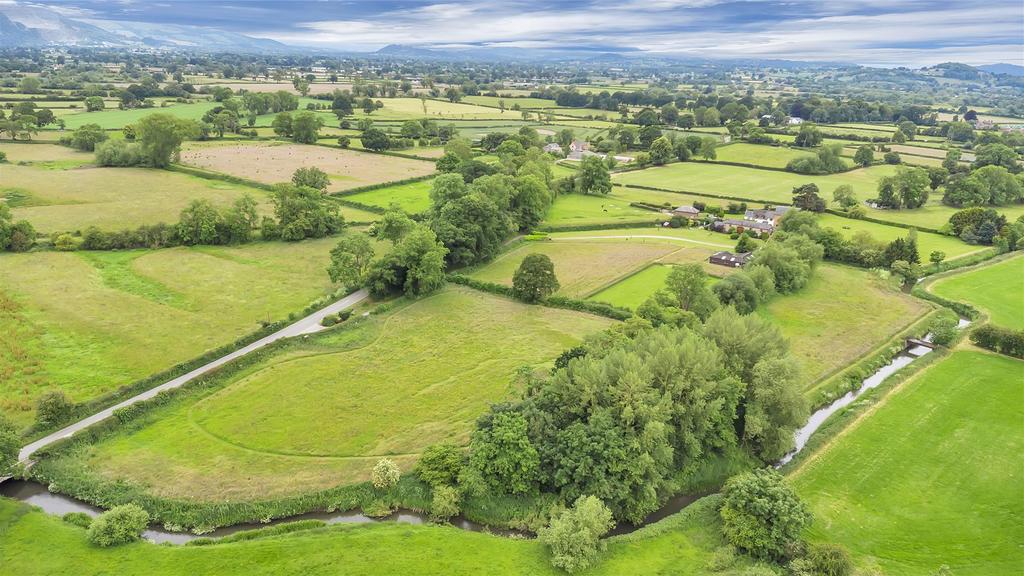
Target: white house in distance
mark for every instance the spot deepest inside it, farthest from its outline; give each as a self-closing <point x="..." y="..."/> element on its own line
<point x="794" y="120"/>
<point x="688" y="212"/>
<point x="553" y="148"/>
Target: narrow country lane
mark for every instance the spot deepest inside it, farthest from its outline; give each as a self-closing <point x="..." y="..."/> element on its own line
<point x="307" y="325"/>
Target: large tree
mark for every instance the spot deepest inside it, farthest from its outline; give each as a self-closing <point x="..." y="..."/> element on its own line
<point x="350" y="258"/>
<point x="592" y="177"/>
<point x="535" y="278"/>
<point x="160" y="137"/>
<point x="761" y="514"/>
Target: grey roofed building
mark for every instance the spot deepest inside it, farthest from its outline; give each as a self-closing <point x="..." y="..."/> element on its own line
<point x="725" y="258"/>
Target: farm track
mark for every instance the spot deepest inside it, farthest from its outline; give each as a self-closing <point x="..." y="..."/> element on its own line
<point x="308" y="325"/>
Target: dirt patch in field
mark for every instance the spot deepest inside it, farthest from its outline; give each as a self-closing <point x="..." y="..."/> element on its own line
<point x="275" y="163"/>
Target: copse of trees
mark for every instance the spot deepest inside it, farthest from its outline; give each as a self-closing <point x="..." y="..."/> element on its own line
<point x="989" y="185"/>
<point x="415" y="266"/>
<point x="17" y="236"/>
<point x="908" y="188"/>
<point x="827" y="161"/>
<point x="762" y="515"/>
<point x="158" y="139"/>
<point x="85" y="137"/>
<point x="692" y="392"/>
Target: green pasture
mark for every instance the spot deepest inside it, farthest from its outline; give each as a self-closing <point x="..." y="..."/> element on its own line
<point x="320" y="413"/>
<point x="524" y="103"/>
<point x="927" y="242"/>
<point x="35" y="543"/>
<point x="413" y="108"/>
<point x="752" y="183"/>
<point x="842" y="314"/>
<point x="931" y="476"/>
<point x="997" y="289"/>
<point x="582" y="266"/>
<point x="583" y="209"/>
<point x="413" y="197"/>
<point x="634" y="290"/>
<point x="114" y="118"/>
<point x="56" y="200"/>
<point x="759" y="154"/>
<point x="89" y="322"/>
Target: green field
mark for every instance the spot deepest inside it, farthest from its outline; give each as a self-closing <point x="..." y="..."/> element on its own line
<point x="319" y="414"/>
<point x="932" y="476"/>
<point x="114" y="118"/>
<point x="524" y="103"/>
<point x="842" y="314"/>
<point x="583" y="265"/>
<point x="89" y="322"/>
<point x="585" y="209"/>
<point x="34" y="543"/>
<point x="413" y="197"/>
<point x="634" y="290"/>
<point x="997" y="289"/>
<point x="740" y="182"/>
<point x="926" y="241"/>
<point x="760" y="155"/>
<point x="56" y="195"/>
<point x="412" y="108"/>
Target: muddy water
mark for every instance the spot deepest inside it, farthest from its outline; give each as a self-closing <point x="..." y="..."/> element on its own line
<point x="37" y="495"/>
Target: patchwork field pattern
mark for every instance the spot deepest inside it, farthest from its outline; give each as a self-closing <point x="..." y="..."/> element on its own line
<point x="402" y="381"/>
<point x="271" y="164"/>
<point x="109" y="318"/>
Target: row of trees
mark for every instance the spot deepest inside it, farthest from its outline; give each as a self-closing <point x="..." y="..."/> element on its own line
<point x="301" y="210"/>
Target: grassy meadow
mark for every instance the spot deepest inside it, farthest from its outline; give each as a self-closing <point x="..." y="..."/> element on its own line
<point x="752" y="183"/>
<point x="759" y="154"/>
<point x="997" y="289"/>
<point x="581" y="266"/>
<point x="89" y="322"/>
<point x="321" y="413"/>
<point x="56" y="193"/>
<point x="927" y="242"/>
<point x="634" y="290"/>
<point x="413" y="197"/>
<point x="271" y="163"/>
<point x="842" y="314"/>
<point x="931" y="476"/>
<point x="34" y="543"/>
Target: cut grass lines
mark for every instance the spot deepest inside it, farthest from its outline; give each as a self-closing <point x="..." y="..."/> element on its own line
<point x="308" y="417"/>
<point x="932" y="477"/>
<point x="581" y="265"/>
<point x="87" y="323"/>
<point x="997" y="289"/>
<point x="275" y="162"/>
<point x="840" y="315"/>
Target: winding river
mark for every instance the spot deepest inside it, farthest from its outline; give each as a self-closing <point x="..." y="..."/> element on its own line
<point x="36" y="494"/>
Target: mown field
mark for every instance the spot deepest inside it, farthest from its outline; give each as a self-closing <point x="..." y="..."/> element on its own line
<point x="931" y="476"/>
<point x="581" y="266"/>
<point x="413" y="197"/>
<point x="740" y="182"/>
<point x="634" y="290"/>
<point x="275" y="162"/>
<point x="926" y="241"/>
<point x="34" y="543"/>
<point x="524" y="103"/>
<point x="56" y="193"/>
<point x="584" y="209"/>
<point x="413" y="108"/>
<point x="320" y="414"/>
<point x="842" y="314"/>
<point x="997" y="289"/>
<point x="87" y="323"/>
<point x="759" y="155"/>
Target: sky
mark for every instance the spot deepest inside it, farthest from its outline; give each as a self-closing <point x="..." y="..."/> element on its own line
<point x="871" y="32"/>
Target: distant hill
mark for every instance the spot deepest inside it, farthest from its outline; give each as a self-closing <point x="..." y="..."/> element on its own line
<point x="36" y="25"/>
<point x="1003" y="68"/>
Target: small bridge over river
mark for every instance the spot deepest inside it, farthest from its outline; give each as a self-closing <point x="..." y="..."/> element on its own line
<point x="915" y="342"/>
